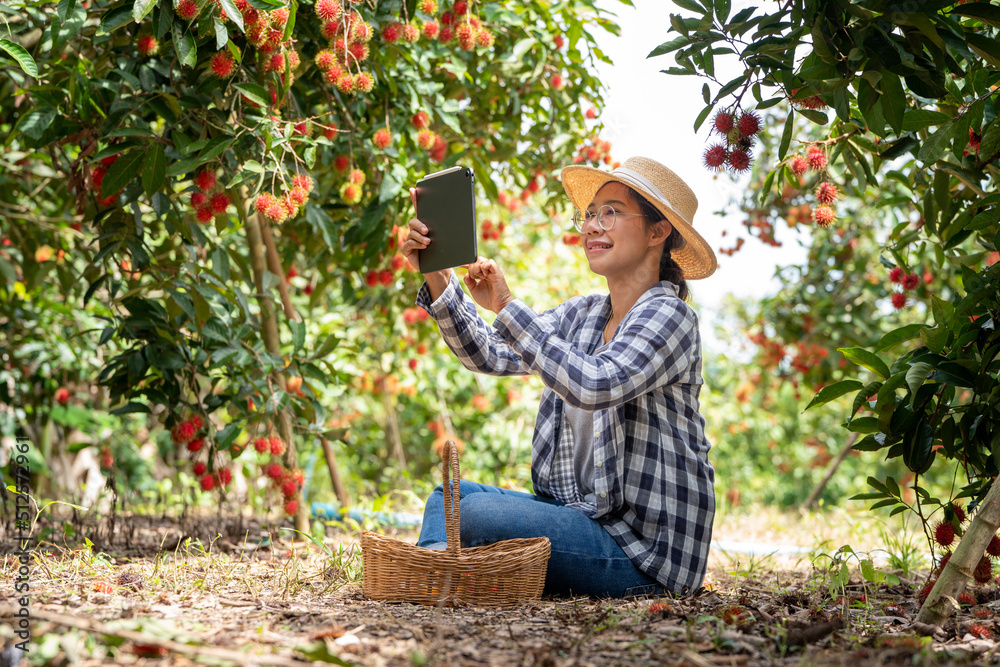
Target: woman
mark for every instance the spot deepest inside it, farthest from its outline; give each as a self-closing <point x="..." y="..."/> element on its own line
<point x="624" y="489"/>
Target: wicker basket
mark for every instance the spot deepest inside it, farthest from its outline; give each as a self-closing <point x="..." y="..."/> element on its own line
<point x="503" y="573"/>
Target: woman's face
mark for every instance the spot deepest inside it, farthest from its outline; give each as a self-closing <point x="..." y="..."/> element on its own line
<point x="631" y="243"/>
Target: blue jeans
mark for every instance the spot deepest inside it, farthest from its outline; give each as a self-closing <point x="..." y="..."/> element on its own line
<point x="585" y="559"/>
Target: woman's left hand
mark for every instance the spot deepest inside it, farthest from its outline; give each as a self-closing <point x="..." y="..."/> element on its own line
<point x="487" y="285"/>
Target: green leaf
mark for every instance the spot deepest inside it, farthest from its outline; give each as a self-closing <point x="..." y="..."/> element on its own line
<point x="232" y="13"/>
<point x="115" y="18"/>
<point x="36" y="122"/>
<point x="702" y="116"/>
<point x="863" y="357"/>
<point x="121" y="173"/>
<point x="786" y="135"/>
<point x="918" y="119"/>
<point x="986" y="12"/>
<point x="690" y="5"/>
<point x="833" y="391"/>
<point x="896" y="336"/>
<point x="154" y="169"/>
<point x="988" y="49"/>
<point x="185" y="46"/>
<point x="221" y="34"/>
<point x="254" y="93"/>
<point x="141" y="8"/>
<point x="130" y="408"/>
<point x="21" y="55"/>
<point x="916" y="375"/>
<point x="893" y="100"/>
<point x="215" y="148"/>
<point x="672" y="45"/>
<point x="936" y="144"/>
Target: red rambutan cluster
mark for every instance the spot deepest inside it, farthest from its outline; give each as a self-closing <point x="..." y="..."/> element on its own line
<point x="734" y="152"/>
<point x="207" y="202"/>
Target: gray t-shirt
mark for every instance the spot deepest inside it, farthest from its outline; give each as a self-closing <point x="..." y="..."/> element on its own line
<point x="581" y="424"/>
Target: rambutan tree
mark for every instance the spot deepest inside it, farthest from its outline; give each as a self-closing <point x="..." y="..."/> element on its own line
<point x="900" y="108"/>
<point x="188" y="160"/>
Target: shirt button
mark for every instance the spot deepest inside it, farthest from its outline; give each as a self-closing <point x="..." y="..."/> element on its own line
<point x="600" y="464"/>
<point x="603" y="494"/>
<point x="597" y="435"/>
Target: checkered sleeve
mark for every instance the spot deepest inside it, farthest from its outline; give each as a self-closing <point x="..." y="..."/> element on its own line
<point x="655" y="345"/>
<point x="476" y="344"/>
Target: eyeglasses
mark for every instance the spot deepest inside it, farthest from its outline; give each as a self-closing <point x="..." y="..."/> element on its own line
<point x="606" y="217"/>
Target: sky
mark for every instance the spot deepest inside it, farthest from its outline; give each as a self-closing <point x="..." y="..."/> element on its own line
<point x="652" y="114"/>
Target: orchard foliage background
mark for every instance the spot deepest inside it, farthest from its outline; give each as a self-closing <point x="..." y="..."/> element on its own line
<point x="201" y="203"/>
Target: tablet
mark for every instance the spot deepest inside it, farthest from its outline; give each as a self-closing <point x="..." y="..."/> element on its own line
<point x="446" y="203"/>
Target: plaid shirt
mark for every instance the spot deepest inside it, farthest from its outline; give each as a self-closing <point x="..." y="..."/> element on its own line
<point x="654" y="484"/>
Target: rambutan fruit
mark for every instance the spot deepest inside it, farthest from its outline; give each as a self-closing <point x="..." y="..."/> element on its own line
<point x="430" y="29"/>
<point x="420" y="120"/>
<point x="147" y="45"/>
<point x="823" y="215"/>
<point x="716" y="156"/>
<point x="332" y="75"/>
<point x="325" y="59"/>
<point x="274" y="471"/>
<point x="425" y="139"/>
<point x="262" y="445"/>
<point x="205" y="180"/>
<point x="329" y="29"/>
<point x="329" y="10"/>
<point x="724" y="122"/>
<point x="558" y="41"/>
<point x="186" y="9"/>
<point x="739" y="160"/>
<point x="345" y="84"/>
<point x="966" y="599"/>
<point x="428" y="7"/>
<point x="816" y="158"/>
<point x="219" y="203"/>
<point x="263" y="201"/>
<point x="291" y="507"/>
<point x="276" y="212"/>
<point x="195" y="422"/>
<point x="446" y="34"/>
<point x="557" y="82"/>
<point x="277" y="446"/>
<point x="302" y="181"/>
<point x="748" y="124"/>
<point x="466" y="37"/>
<point x="411" y="33"/>
<point x="898" y="300"/>
<point x="298" y="196"/>
<point x="460" y="7"/>
<point x="993" y="548"/>
<point x="224" y="477"/>
<point x="364" y="82"/>
<point x="357" y="177"/>
<point x="984" y="571"/>
<point x="925" y="591"/>
<point x="279" y="18"/>
<point x="910" y="281"/>
<point x="448" y="18"/>
<point x="896" y="274"/>
<point x="392" y="32"/>
<point x="196" y="445"/>
<point x="979" y="631"/>
<point x="361" y="32"/>
<point x="358" y="51"/>
<point x="959" y="513"/>
<point x="382" y="138"/>
<point x="827" y="193"/>
<point x="198" y="199"/>
<point x="798" y="165"/>
<point x="341" y="163"/>
<point x="299" y="477"/>
<point x="288" y="488"/>
<point x="199" y="468"/>
<point x="350" y="193"/>
<point x="944" y="534"/>
<point x="204" y="214"/>
<point x="222" y="64"/>
<point x="207" y="482"/>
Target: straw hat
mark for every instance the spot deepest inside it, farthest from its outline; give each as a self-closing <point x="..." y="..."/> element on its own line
<point x="663" y="189"/>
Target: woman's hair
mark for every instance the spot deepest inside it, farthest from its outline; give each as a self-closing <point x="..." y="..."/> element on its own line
<point x="669" y="269"/>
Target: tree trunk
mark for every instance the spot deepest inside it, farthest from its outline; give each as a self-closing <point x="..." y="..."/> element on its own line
<point x="392" y="430"/>
<point x="274" y="262"/>
<point x="272" y="341"/>
<point x="830" y="470"/>
<point x="941" y="602"/>
<point x="338" y="483"/>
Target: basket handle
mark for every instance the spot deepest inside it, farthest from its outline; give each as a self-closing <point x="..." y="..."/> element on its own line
<point x="452" y="516"/>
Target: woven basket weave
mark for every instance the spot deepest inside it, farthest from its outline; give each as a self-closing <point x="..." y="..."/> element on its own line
<point x="502" y="573"/>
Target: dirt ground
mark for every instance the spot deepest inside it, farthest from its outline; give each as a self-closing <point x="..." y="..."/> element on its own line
<point x="171" y="592"/>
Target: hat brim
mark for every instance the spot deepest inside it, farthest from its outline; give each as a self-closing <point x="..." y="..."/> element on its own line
<point x="695" y="257"/>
